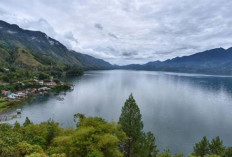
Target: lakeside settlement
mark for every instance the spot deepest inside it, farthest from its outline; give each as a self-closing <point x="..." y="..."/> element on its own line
<point x="27" y="89"/>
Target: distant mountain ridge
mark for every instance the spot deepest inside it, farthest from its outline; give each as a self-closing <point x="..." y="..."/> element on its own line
<point x="31" y="49"/>
<point x="215" y="61"/>
<point x="35" y="48"/>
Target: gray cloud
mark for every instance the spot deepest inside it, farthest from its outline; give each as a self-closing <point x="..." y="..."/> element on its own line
<point x="70" y="36"/>
<point x="129" y="54"/>
<point x="112" y="35"/>
<point x="98" y="26"/>
<point x="154" y="29"/>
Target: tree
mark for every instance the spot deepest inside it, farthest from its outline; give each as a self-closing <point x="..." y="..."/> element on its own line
<point x="94" y="137"/>
<point x="167" y="154"/>
<point x="52" y="128"/>
<point x="23" y="149"/>
<point x="216" y="146"/>
<point x="228" y="152"/>
<point x="43" y="76"/>
<point x="202" y="148"/>
<point x="78" y="117"/>
<point x="131" y="121"/>
<point x="16" y="125"/>
<point x="8" y="139"/>
<point x="27" y="122"/>
<point x="150" y="145"/>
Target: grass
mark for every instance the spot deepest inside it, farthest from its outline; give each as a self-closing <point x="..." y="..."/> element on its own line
<point x="26" y="58"/>
<point x="4" y="104"/>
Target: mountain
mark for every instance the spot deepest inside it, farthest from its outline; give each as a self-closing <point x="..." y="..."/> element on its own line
<point x="34" y="48"/>
<point x="215" y="61"/>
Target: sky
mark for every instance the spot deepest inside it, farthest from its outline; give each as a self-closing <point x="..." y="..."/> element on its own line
<point x="127" y="31"/>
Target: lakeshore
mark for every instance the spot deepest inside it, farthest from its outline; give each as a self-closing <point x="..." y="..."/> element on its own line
<point x="10" y="99"/>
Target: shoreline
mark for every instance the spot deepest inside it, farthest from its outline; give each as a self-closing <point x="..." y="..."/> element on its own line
<point x="7" y="104"/>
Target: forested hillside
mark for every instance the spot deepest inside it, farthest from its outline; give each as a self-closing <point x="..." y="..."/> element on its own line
<point x="33" y="49"/>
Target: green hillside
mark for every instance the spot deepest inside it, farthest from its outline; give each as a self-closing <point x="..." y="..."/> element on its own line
<point x="35" y="49"/>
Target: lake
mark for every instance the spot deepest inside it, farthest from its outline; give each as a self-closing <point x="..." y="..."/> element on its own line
<point x="178" y="108"/>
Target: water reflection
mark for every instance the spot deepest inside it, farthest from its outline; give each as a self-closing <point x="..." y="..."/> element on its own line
<point x="178" y="108"/>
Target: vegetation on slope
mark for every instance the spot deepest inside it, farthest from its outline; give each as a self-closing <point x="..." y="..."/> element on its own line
<point x="35" y="49"/>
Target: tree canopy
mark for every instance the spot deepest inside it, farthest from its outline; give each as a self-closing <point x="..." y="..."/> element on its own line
<point x="94" y="137"/>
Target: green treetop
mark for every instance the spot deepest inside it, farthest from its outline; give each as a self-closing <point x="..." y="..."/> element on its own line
<point x="138" y="143"/>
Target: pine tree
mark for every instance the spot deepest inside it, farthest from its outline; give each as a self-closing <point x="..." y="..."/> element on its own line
<point x="150" y="145"/>
<point x="228" y="152"/>
<point x="216" y="146"/>
<point x="132" y="125"/>
<point x="202" y="148"/>
<point x="27" y="122"/>
<point x="16" y="125"/>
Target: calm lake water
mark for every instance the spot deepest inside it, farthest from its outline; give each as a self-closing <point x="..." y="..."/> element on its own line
<point x="178" y="108"/>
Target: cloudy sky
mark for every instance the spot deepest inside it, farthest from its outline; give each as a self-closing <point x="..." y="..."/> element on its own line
<point x="127" y="31"/>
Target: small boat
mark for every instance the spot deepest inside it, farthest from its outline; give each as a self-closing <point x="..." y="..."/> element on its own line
<point x="19" y="111"/>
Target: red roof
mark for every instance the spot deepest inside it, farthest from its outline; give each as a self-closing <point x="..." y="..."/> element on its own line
<point x="22" y="91"/>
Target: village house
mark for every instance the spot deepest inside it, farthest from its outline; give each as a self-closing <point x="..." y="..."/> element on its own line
<point x="51" y="83"/>
<point x="44" y="89"/>
<point x="5" y="92"/>
<point x="12" y="96"/>
<point x="41" y="82"/>
<point x="20" y="94"/>
<point x="33" y="90"/>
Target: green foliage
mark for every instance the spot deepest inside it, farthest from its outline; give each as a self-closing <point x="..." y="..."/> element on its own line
<point x="58" y="155"/>
<point x="138" y="143"/>
<point x="73" y="70"/>
<point x="23" y="149"/>
<point x="36" y="155"/>
<point x="27" y="122"/>
<point x="43" y="76"/>
<point x="8" y="140"/>
<point x="52" y="130"/>
<point x="5" y="104"/>
<point x="16" y="126"/>
<point x="227" y="152"/>
<point x="202" y="148"/>
<point x="131" y="122"/>
<point x="216" y="146"/>
<point x="59" y="88"/>
<point x="167" y="154"/>
<point x="150" y="145"/>
<point x="94" y="137"/>
<point x="78" y="117"/>
<point x="19" y="50"/>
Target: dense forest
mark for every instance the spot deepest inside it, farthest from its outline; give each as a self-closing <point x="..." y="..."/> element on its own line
<point x="94" y="137"/>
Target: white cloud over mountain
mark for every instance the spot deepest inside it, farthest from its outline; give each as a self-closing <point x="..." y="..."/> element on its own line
<point x="127" y="31"/>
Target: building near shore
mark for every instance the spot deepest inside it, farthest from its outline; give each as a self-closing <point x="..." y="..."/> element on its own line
<point x="12" y="96"/>
<point x="51" y="83"/>
<point x="5" y="92"/>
